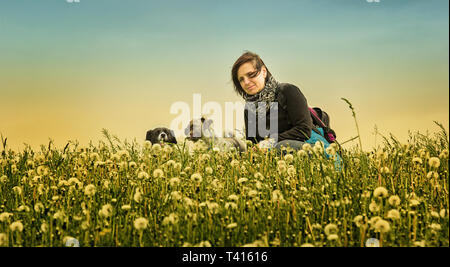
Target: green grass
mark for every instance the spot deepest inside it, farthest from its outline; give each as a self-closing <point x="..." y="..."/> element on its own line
<point x="284" y="201"/>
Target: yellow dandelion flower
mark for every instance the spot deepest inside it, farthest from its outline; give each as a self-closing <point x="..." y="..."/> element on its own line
<point x="231" y="225"/>
<point x="417" y="160"/>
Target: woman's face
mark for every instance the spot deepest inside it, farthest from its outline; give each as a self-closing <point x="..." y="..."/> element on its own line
<point x="251" y="81"/>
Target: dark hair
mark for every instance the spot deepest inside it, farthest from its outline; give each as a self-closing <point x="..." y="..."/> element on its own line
<point x="244" y="58"/>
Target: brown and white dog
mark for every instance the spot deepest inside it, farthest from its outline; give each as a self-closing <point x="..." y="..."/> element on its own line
<point x="201" y="129"/>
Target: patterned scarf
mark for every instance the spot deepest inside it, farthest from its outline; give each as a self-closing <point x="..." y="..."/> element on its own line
<point x="267" y="95"/>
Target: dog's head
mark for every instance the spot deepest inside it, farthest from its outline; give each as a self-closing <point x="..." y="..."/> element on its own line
<point x="161" y="134"/>
<point x="199" y="128"/>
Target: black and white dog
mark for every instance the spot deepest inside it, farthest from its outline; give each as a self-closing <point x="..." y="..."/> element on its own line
<point x="201" y="129"/>
<point x="161" y="134"/>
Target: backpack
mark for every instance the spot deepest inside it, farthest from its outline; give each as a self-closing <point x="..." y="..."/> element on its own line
<point x="321" y="119"/>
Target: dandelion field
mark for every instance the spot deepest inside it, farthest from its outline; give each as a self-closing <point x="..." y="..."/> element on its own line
<point x="120" y="193"/>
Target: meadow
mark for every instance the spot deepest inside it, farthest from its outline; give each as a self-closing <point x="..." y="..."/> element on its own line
<point x="120" y="193"/>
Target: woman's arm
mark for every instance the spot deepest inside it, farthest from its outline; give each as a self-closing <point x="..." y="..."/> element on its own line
<point x="298" y="114"/>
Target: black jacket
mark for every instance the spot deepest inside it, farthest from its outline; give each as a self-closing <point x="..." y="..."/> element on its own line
<point x="294" y="119"/>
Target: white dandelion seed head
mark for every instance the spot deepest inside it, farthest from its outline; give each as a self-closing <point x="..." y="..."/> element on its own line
<point x="332" y="237"/>
<point x="126" y="207"/>
<point x="4" y="216"/>
<point x="209" y="170"/>
<point x="16" y="226"/>
<point x="140" y="223"/>
<point x="3" y="240"/>
<point x="435" y="227"/>
<point x="432" y="175"/>
<point x="434" y="162"/>
<point x="231" y="225"/>
<point x="302" y="153"/>
<point x="330" y="150"/>
<point x="374" y="207"/>
<point x="89" y="190"/>
<point x="331" y="228"/>
<point x="380" y="192"/>
<point x="175" y="195"/>
<point x="443" y="213"/>
<point x="384" y="170"/>
<point x="18" y="190"/>
<point x="231" y="205"/>
<point x="158" y="173"/>
<point x="137" y="197"/>
<point x="289" y="158"/>
<point x="359" y="221"/>
<point x="234" y="163"/>
<point x="382" y="226"/>
<point x="393" y="214"/>
<point x="106" y="211"/>
<point x="394" y="200"/>
<point x="414" y="202"/>
<point x="444" y="154"/>
<point x="196" y="177"/>
<point x="242" y="180"/>
<point x="143" y="175"/>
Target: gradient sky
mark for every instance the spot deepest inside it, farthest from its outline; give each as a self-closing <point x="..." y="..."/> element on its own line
<point x="67" y="70"/>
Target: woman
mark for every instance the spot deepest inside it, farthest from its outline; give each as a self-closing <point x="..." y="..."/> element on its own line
<point x="254" y="82"/>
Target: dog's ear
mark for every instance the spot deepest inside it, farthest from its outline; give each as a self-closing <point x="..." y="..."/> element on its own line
<point x="148" y="136"/>
<point x="172" y="138"/>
